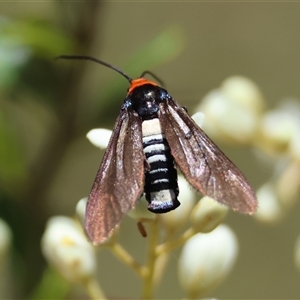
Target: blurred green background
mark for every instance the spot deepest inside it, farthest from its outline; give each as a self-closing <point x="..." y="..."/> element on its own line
<point x="47" y="107"/>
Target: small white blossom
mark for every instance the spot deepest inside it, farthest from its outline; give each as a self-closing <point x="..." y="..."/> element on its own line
<point x="66" y="248"/>
<point x="198" y="117"/>
<point x="269" y="208"/>
<point x="80" y="210"/>
<point x="297" y="253"/>
<point x="232" y="111"/>
<point x="278" y="196"/>
<point x="288" y="184"/>
<point x="280" y="130"/>
<point x="140" y="211"/>
<point x="5" y="239"/>
<point x="205" y="299"/>
<point x="99" y="137"/>
<point x="176" y="218"/>
<point x="295" y="145"/>
<point x="207" y="215"/>
<point x="206" y="259"/>
<point x="244" y="91"/>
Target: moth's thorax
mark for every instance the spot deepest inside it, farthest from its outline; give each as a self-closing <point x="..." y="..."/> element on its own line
<point x="145" y="99"/>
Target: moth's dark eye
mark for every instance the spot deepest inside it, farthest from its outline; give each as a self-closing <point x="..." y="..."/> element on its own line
<point x="127" y="103"/>
<point x="164" y="94"/>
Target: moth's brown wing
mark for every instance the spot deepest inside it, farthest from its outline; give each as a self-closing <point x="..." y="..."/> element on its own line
<point x="202" y="163"/>
<point x="120" y="179"/>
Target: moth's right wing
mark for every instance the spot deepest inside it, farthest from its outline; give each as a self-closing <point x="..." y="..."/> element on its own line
<point x="120" y="178"/>
<point x="202" y="163"/>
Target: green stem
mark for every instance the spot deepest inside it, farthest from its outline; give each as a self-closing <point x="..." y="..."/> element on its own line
<point x="172" y="244"/>
<point x="94" y="290"/>
<point x="127" y="259"/>
<point x="148" y="285"/>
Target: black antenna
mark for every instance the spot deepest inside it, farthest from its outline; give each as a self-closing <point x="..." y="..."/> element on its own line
<point x="154" y="76"/>
<point x="84" y="57"/>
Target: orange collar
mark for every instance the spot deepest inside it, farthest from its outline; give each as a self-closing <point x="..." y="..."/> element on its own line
<point x="139" y="82"/>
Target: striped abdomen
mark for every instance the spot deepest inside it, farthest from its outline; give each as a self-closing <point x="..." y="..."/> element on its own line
<point x="161" y="186"/>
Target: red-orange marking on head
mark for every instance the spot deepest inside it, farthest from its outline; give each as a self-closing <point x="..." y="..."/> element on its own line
<point x="139" y="82"/>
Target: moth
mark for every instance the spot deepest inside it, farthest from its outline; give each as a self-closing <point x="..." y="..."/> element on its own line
<point x="152" y="137"/>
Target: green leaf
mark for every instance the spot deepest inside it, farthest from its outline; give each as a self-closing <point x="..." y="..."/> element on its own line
<point x="51" y="286"/>
<point x="19" y="39"/>
<point x="41" y="37"/>
<point x="163" y="48"/>
<point x="12" y="159"/>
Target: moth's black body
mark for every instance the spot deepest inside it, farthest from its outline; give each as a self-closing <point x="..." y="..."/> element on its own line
<point x="161" y="188"/>
<point x="153" y="136"/>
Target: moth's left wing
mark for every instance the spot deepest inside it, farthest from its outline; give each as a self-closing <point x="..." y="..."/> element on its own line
<point x="120" y="179"/>
<point x="202" y="163"/>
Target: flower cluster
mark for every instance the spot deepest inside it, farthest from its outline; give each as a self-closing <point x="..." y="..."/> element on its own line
<point x="235" y="113"/>
<point x="188" y="227"/>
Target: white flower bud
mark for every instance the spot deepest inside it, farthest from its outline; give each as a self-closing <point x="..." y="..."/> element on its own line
<point x="295" y="146"/>
<point x="232" y="111"/>
<point x="288" y="184"/>
<point x="5" y="239"/>
<point x="280" y="130"/>
<point x="269" y="208"/>
<point x="207" y="215"/>
<point x="297" y="253"/>
<point x="140" y="211"/>
<point x="80" y="210"/>
<point x="66" y="248"/>
<point x="198" y="117"/>
<point x="99" y="137"/>
<point x="206" y="259"/>
<point x="176" y="218"/>
<point x="227" y="120"/>
<point x="244" y="91"/>
<point x="277" y="131"/>
<point x="202" y="299"/>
